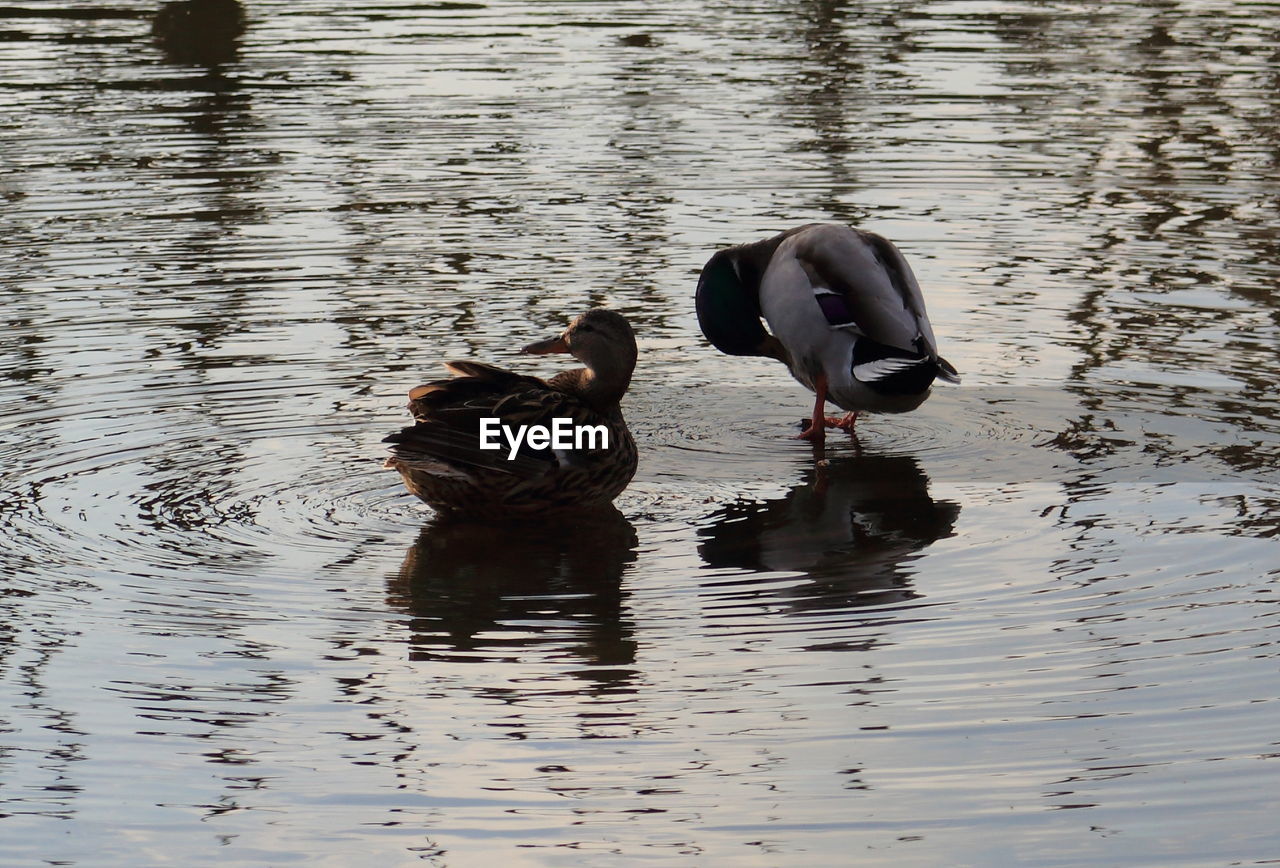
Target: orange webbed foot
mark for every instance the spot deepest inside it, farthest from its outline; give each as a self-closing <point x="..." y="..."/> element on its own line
<point x="845" y="423"/>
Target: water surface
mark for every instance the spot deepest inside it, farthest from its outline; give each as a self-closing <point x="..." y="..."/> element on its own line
<point x="1034" y="622"/>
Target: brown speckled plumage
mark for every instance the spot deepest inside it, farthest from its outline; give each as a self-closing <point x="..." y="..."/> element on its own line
<point x="440" y="459"/>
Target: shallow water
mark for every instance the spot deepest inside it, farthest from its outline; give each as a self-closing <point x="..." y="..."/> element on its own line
<point x="1034" y="622"/>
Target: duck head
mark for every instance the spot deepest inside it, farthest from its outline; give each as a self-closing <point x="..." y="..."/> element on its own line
<point x="728" y="303"/>
<point x="604" y="342"/>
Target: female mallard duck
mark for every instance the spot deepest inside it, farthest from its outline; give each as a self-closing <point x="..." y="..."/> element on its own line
<point x="846" y="312"/>
<point x="440" y="455"/>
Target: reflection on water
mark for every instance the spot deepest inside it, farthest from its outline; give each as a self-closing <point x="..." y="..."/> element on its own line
<point x="492" y="592"/>
<point x="1032" y="622"/>
<point x="852" y="527"/>
<point x="202" y="32"/>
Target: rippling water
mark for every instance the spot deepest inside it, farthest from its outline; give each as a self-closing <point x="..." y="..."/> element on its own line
<point x="1034" y="622"/>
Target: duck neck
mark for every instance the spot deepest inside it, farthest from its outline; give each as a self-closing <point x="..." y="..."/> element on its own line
<point x="603" y="383"/>
<point x="753" y="259"/>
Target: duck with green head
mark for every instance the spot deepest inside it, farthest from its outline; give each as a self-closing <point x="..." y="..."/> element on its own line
<point x="845" y="314"/>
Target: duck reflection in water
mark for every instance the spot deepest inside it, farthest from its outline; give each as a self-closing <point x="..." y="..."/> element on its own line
<point x="199" y="32"/>
<point x="479" y="592"/>
<point x="852" y="526"/>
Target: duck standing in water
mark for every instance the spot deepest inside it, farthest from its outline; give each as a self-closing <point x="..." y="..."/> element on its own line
<point x="441" y="457"/>
<point x="846" y="313"/>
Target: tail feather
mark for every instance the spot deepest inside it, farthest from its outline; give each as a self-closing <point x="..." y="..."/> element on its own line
<point x="893" y="371"/>
<point x="881" y="370"/>
<point x="947" y="372"/>
<point x="431" y="441"/>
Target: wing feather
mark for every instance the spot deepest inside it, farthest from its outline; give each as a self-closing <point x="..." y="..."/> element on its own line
<point x="879" y="292"/>
<point x="447" y="416"/>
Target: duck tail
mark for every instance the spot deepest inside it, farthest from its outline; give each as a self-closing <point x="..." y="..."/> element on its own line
<point x="947" y="372"/>
<point x="893" y="371"/>
<point x="436" y="447"/>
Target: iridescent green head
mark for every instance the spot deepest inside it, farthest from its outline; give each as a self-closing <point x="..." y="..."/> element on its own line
<point x="728" y="306"/>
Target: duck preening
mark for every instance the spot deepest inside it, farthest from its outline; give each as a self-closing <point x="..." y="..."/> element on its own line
<point x="846" y="315"/>
<point x="441" y="457"/>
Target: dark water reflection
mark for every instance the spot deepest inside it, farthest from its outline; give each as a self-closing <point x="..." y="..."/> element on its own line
<point x="496" y="592"/>
<point x="852" y="526"/>
<point x="1032" y="623"/>
<point x="199" y="32"/>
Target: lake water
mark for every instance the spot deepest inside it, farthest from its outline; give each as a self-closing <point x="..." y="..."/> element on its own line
<point x="1035" y="622"/>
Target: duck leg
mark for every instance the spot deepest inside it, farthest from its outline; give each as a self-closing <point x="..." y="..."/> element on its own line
<point x="816" y="433"/>
<point x="844" y="424"/>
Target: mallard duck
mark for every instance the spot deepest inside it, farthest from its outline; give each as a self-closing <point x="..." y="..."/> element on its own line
<point x="846" y="313"/>
<point x="440" y="455"/>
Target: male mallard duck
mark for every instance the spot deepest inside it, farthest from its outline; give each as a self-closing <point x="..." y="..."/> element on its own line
<point x="846" y="312"/>
<point x="440" y="457"/>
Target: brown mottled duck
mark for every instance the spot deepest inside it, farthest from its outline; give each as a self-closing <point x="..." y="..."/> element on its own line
<point x="441" y="457"/>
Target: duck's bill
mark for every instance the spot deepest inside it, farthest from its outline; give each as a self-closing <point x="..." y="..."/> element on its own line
<point x="542" y="348"/>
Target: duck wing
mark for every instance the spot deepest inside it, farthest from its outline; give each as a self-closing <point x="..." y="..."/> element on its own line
<point x="447" y="420"/>
<point x="862" y="281"/>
